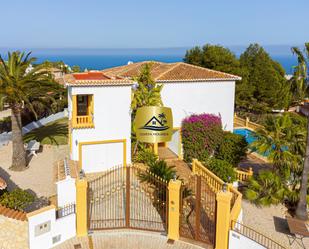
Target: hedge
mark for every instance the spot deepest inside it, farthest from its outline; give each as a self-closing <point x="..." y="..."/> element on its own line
<point x="232" y="148"/>
<point x="224" y="170"/>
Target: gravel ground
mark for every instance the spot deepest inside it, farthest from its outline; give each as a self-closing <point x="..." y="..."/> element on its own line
<point x="271" y="222"/>
<point x="38" y="177"/>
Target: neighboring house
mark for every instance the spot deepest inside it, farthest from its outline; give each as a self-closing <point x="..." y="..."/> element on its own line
<point x="99" y="107"/>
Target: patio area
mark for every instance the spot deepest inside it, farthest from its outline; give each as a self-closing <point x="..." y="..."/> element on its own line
<point x="38" y="177"/>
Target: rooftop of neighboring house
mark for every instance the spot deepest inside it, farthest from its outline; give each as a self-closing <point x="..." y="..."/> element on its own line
<point x="3" y="184"/>
<point x="95" y="78"/>
<point x="170" y="72"/>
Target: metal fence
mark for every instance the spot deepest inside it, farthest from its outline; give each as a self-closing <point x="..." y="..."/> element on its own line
<point x="198" y="210"/>
<point x="256" y="236"/>
<point x="129" y="197"/>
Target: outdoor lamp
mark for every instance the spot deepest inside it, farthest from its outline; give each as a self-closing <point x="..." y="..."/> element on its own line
<point x="81" y="174"/>
<point x="224" y="187"/>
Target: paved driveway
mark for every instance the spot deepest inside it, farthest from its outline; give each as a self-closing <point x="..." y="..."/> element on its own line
<point x="125" y="239"/>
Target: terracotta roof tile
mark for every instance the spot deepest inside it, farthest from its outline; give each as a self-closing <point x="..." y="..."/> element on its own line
<point x="60" y="172"/>
<point x="3" y="184"/>
<point x="13" y="214"/>
<point x="170" y="72"/>
<point x="95" y="78"/>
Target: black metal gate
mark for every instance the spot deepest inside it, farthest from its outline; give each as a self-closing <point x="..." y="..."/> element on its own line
<point x="198" y="211"/>
<point x="129" y="197"/>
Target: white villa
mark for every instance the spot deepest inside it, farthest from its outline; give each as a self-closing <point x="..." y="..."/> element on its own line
<point x="99" y="107"/>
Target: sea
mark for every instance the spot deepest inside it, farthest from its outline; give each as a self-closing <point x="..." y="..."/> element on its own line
<point x="98" y="59"/>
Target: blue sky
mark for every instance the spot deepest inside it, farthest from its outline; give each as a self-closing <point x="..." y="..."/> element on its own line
<point x="152" y="23"/>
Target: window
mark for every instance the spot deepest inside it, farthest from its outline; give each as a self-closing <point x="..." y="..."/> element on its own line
<point x="82" y="105"/>
<point x="82" y="114"/>
<point x="42" y="228"/>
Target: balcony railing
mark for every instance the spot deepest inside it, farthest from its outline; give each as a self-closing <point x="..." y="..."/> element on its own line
<point x="65" y="211"/>
<point x="243" y="175"/>
<point x="83" y="121"/>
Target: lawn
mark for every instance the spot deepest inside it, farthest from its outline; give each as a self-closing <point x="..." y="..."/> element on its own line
<point x="55" y="133"/>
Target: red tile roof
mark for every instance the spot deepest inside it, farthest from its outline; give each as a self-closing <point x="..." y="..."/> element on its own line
<point x="170" y="72"/>
<point x="94" y="78"/>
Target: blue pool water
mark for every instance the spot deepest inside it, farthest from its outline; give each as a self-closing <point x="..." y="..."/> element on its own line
<point x="250" y="138"/>
<point x="249" y="135"/>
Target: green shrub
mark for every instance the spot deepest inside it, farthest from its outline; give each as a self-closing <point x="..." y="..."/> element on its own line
<point x="17" y="199"/>
<point x="147" y="157"/>
<point x="201" y="136"/>
<point x="265" y="189"/>
<point x="224" y="170"/>
<point x="232" y="148"/>
<point x="158" y="168"/>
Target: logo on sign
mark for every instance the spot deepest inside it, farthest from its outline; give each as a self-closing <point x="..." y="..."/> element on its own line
<point x="154" y="124"/>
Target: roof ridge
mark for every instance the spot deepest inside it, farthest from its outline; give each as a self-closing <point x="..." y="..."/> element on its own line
<point x="205" y="68"/>
<point x="170" y="69"/>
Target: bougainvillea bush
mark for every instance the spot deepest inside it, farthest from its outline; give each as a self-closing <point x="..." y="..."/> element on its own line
<point x="201" y="136"/>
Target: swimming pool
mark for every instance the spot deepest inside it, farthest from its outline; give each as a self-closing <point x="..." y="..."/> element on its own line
<point x="250" y="138"/>
<point x="249" y="135"/>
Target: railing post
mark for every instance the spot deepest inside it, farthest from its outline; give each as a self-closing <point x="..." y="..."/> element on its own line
<point x="250" y="172"/>
<point x="247" y="122"/>
<point x="128" y="187"/>
<point x="173" y="209"/>
<point x="223" y="219"/>
<point x="81" y="207"/>
<point x="194" y="166"/>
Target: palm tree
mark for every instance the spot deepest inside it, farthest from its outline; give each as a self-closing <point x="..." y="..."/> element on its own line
<point x="21" y="88"/>
<point x="276" y="141"/>
<point x="301" y="210"/>
<point x="300" y="77"/>
<point x="266" y="189"/>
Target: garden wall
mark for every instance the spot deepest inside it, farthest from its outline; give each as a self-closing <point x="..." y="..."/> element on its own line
<point x="46" y="230"/>
<point x="239" y="241"/>
<point x="5" y="137"/>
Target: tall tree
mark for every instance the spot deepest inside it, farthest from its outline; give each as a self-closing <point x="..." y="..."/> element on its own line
<point x="146" y="93"/>
<point x="301" y="210"/>
<point x="300" y="77"/>
<point x="213" y="57"/>
<point x="22" y="87"/>
<point x="265" y="85"/>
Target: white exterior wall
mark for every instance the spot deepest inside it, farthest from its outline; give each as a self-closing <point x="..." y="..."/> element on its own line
<point x="112" y="121"/>
<point x="66" y="192"/>
<point x="65" y="227"/>
<point x="186" y="98"/>
<point x="238" y="241"/>
<point x="173" y="145"/>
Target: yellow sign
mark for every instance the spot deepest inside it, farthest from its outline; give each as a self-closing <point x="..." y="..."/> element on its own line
<point x="154" y="124"/>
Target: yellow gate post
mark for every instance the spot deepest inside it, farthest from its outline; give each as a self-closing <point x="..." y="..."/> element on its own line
<point x="223" y="218"/>
<point x="155" y="148"/>
<point x="81" y="207"/>
<point x="173" y="209"/>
